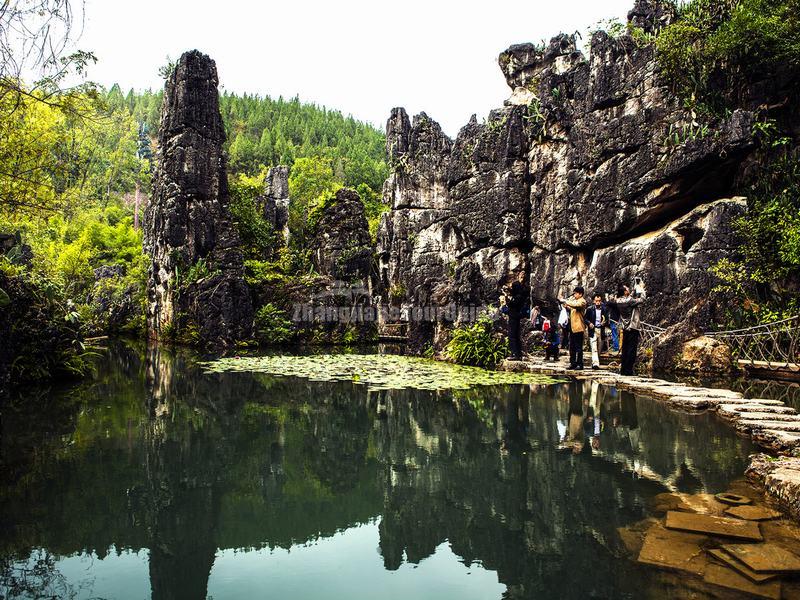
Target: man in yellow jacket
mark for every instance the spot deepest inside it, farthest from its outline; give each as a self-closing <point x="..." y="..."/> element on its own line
<point x="576" y="306"/>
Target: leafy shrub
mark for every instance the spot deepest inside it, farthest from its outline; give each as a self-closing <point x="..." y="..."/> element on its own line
<point x="312" y="186"/>
<point x="716" y="43"/>
<point x="477" y="345"/>
<point x="373" y="208"/>
<point x="763" y="282"/>
<point x="291" y="265"/>
<point x="397" y="293"/>
<point x="272" y="325"/>
<point x="196" y="272"/>
<point x="41" y="329"/>
<point x="257" y="234"/>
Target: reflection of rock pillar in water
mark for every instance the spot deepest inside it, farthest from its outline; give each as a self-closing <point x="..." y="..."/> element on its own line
<point x="183" y="547"/>
<point x="182" y="500"/>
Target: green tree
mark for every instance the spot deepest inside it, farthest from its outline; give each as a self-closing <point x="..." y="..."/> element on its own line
<point x="311" y="183"/>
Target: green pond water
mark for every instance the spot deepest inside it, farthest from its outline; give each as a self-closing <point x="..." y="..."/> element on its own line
<point x="163" y="479"/>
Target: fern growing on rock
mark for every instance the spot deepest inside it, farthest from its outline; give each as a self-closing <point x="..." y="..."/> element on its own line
<point x="476" y="344"/>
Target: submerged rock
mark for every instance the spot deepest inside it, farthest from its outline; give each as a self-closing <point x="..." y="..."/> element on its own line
<point x="196" y="278"/>
<point x="780" y="479"/>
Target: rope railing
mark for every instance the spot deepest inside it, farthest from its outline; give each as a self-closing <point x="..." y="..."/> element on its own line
<point x="777" y="344"/>
<point x="648" y="334"/>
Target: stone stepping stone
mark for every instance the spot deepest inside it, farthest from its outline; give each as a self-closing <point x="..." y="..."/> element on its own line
<point x="674" y="550"/>
<point x="742" y="568"/>
<point x="776" y="439"/>
<point x="745" y="406"/>
<point x="753" y="513"/>
<point x="747" y="426"/>
<point x="759" y="416"/>
<point x="690" y="403"/>
<point x="764" y="558"/>
<point x="711" y="525"/>
<point x="722" y="393"/>
<point x="707" y="393"/>
<point x="727" y="578"/>
<point x="753" y="401"/>
<point x="735" y="411"/>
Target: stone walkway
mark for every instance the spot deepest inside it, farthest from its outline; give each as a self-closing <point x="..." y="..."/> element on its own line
<point x="769" y="423"/>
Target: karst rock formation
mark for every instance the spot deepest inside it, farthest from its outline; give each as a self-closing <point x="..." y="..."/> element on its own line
<point x="196" y="276"/>
<point x="341" y="246"/>
<point x="275" y="201"/>
<point x="576" y="180"/>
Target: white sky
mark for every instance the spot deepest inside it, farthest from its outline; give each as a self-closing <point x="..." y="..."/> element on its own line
<point x="362" y="58"/>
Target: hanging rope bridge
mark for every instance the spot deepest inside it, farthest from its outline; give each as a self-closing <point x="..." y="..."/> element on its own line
<point x="771" y="346"/>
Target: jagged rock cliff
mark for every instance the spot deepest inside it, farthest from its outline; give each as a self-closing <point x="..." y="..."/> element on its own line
<point x="592" y="173"/>
<point x="341" y="246"/>
<point x="196" y="278"/>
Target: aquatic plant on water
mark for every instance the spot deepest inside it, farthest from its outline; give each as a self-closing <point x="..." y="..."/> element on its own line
<point x="378" y="371"/>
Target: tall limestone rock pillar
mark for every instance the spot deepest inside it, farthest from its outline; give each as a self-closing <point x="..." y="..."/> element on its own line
<point x="196" y="278"/>
<point x="275" y="201"/>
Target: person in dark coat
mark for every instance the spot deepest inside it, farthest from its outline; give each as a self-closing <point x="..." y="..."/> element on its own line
<point x="630" y="320"/>
<point x="516" y="302"/>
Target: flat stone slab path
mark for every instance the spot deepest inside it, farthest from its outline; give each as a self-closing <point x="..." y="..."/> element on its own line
<point x="723" y="577"/>
<point x="752" y="513"/>
<point x="711" y="525"/>
<point x="770" y="423"/>
<point x="764" y="558"/>
<point x="742" y="568"/>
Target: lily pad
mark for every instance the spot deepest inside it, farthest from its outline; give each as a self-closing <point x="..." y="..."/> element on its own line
<point x="378" y="371"/>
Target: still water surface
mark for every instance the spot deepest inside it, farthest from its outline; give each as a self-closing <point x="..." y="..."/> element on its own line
<point x="158" y="481"/>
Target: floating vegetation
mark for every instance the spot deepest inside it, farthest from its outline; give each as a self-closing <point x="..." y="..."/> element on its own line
<point x="378" y="371"/>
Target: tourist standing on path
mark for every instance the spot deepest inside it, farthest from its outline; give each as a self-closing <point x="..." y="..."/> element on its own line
<point x="516" y="299"/>
<point x="630" y="320"/>
<point x="537" y="319"/>
<point x="596" y="319"/>
<point x="613" y="321"/>
<point x="576" y="306"/>
<point x="550" y="339"/>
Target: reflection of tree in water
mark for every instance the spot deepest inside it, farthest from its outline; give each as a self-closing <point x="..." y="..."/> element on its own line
<point x="37" y="577"/>
<point x="184" y="464"/>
